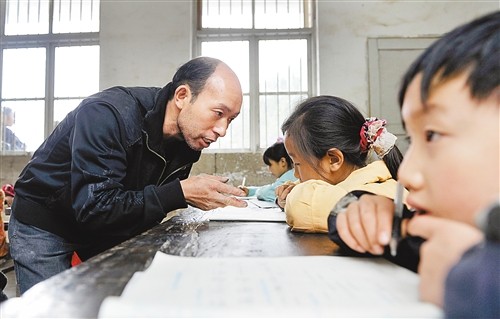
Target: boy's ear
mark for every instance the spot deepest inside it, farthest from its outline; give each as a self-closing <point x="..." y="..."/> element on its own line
<point x="335" y="159"/>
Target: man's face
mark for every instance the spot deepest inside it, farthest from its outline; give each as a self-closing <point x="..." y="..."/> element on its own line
<point x="206" y="119"/>
<point x="452" y="165"/>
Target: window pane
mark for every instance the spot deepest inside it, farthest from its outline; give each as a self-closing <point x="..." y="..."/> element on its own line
<point x="233" y="53"/>
<point x="273" y="111"/>
<point x="76" y="71"/>
<point x="24" y="132"/>
<point x="23" y="74"/>
<point x="226" y="14"/>
<point x="276" y="67"/>
<point x="63" y="107"/>
<point x="27" y="17"/>
<point x="72" y="16"/>
<point x="283" y="66"/>
<point x="236" y="55"/>
<point x="283" y="14"/>
<point x="283" y="81"/>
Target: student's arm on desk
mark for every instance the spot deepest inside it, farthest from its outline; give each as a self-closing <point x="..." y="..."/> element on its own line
<point x="377" y="209"/>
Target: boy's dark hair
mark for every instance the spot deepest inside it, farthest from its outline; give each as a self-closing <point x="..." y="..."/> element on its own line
<point x="195" y="74"/>
<point x="473" y="47"/>
<point x="275" y="152"/>
<point x="324" y="122"/>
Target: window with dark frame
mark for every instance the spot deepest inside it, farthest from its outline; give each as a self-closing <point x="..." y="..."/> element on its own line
<point x="268" y="44"/>
<point x="49" y="62"/>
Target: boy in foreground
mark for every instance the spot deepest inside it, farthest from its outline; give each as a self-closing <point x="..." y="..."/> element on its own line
<point x="450" y="100"/>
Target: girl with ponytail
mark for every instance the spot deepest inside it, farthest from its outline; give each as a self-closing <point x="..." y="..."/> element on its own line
<point x="335" y="150"/>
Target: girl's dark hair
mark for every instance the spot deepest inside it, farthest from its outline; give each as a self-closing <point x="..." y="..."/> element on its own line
<point x="275" y="152"/>
<point x="473" y="47"/>
<point x="195" y="74"/>
<point x="324" y="122"/>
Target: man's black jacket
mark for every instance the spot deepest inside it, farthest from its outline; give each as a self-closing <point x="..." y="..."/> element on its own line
<point x="106" y="173"/>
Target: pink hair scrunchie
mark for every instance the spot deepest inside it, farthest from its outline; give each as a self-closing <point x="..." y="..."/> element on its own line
<point x="374" y="136"/>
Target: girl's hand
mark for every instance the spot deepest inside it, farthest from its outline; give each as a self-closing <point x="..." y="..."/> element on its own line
<point x="245" y="189"/>
<point x="282" y="192"/>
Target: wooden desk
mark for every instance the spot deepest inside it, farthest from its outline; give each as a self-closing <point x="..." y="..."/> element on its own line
<point x="78" y="292"/>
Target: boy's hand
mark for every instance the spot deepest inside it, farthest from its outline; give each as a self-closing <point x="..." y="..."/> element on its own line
<point x="366" y="224"/>
<point x="446" y="241"/>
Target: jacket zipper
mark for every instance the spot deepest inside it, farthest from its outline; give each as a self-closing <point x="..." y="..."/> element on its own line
<point x="160" y="182"/>
<point x="161" y="157"/>
<point x="180" y="168"/>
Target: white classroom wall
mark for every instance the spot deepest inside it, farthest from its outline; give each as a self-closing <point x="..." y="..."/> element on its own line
<point x="144" y="42"/>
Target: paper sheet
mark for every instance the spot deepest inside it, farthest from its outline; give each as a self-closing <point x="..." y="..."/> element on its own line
<point x="256" y="210"/>
<point x="307" y="286"/>
<point x="261" y="203"/>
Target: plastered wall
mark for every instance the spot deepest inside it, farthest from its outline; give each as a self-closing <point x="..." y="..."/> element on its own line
<point x="235" y="166"/>
<point x="345" y="26"/>
<point x="11" y="166"/>
<point x="144" y="42"/>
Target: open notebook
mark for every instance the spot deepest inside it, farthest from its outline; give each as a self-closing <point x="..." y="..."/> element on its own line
<point x="257" y="210"/>
<point x="304" y="286"/>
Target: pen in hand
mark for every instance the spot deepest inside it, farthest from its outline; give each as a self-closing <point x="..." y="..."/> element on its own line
<point x="242" y="186"/>
<point x="398" y="217"/>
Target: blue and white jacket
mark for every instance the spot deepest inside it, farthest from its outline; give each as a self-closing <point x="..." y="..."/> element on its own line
<point x="267" y="192"/>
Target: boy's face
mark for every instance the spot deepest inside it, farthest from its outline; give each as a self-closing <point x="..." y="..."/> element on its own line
<point x="452" y="165"/>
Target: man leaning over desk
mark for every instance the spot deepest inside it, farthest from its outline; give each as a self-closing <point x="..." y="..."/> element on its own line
<point x="117" y="164"/>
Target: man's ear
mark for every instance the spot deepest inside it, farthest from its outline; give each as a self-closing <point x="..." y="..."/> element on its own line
<point x="335" y="159"/>
<point x="182" y="95"/>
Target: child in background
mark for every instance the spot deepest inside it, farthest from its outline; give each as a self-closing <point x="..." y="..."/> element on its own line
<point x="10" y="141"/>
<point x="9" y="192"/>
<point x="280" y="165"/>
<point x="330" y="143"/>
<point x="4" y="246"/>
<point x="450" y="101"/>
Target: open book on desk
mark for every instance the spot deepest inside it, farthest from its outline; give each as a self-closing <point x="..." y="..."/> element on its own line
<point x="257" y="210"/>
<point x="304" y="286"/>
